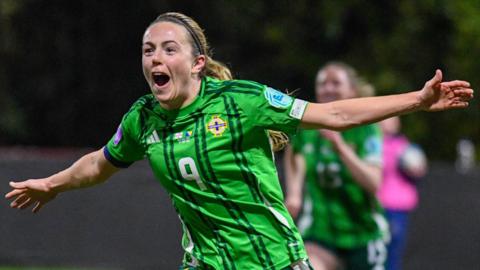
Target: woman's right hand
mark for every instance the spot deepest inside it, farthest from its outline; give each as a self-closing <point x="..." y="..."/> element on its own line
<point x="35" y="192"/>
<point x="437" y="95"/>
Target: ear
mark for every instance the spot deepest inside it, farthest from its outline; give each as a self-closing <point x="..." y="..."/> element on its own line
<point x="199" y="64"/>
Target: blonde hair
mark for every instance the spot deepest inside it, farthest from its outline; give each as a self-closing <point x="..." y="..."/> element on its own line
<point x="359" y="84"/>
<point x="199" y="44"/>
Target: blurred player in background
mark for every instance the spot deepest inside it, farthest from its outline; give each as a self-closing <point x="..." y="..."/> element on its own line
<point x="403" y="165"/>
<point x="206" y="139"/>
<point x="341" y="221"/>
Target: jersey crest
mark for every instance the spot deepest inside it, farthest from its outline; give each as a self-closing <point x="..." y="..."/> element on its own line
<point x="277" y="99"/>
<point x="217" y="126"/>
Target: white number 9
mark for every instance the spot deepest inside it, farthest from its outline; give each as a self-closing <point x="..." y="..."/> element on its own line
<point x="183" y="163"/>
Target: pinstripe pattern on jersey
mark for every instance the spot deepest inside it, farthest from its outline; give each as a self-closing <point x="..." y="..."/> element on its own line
<point x="221" y="244"/>
<point x="170" y="162"/>
<point x="233" y="209"/>
<point x="292" y="242"/>
<point x="240" y="159"/>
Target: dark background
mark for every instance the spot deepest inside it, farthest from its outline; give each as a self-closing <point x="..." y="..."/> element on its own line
<point x="69" y="70"/>
<point x="129" y="223"/>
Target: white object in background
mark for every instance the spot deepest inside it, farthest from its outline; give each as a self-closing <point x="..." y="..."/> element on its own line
<point x="465" y="156"/>
<point x="413" y="162"/>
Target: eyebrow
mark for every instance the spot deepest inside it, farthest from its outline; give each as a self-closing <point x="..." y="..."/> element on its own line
<point x="163" y="43"/>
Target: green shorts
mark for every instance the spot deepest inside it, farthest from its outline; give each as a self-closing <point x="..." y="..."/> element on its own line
<point x="370" y="257"/>
<point x="301" y="265"/>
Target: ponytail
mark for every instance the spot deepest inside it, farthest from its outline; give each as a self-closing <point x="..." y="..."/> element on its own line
<point x="217" y="70"/>
<point x="278" y="140"/>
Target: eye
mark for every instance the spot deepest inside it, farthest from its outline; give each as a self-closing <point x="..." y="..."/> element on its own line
<point x="148" y="51"/>
<point x="170" y="50"/>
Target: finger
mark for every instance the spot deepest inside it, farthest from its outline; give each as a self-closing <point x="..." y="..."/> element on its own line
<point x="23" y="184"/>
<point x="37" y="207"/>
<point x="466" y="97"/>
<point x="463" y="92"/>
<point x="437" y="78"/>
<point x="460" y="105"/>
<point x="457" y="104"/>
<point x="26" y="203"/>
<point x="456" y="83"/>
<point x="463" y="95"/>
<point x="20" y="199"/>
<point x="14" y="193"/>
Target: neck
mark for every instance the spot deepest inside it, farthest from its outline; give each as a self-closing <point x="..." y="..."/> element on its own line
<point x="183" y="100"/>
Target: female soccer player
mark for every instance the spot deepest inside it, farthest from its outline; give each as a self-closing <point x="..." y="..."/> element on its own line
<point x="207" y="144"/>
<point x="342" y="172"/>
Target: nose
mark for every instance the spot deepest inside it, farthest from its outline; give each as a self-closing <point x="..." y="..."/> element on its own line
<point x="157" y="58"/>
<point x="328" y="87"/>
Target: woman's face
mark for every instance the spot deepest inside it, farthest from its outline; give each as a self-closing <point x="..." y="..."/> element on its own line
<point x="169" y="67"/>
<point x="391" y="125"/>
<point x="332" y="84"/>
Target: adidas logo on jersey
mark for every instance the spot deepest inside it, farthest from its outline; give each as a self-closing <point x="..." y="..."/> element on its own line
<point x="153" y="138"/>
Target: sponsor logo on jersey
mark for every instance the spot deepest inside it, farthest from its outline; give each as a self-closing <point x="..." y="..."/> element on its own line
<point x="277" y="99"/>
<point x="217" y="126"/>
<point x="184" y="136"/>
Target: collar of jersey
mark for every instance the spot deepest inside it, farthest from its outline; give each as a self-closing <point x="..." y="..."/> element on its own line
<point x="187" y="109"/>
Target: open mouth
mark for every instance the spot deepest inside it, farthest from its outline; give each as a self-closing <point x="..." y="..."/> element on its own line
<point x="161" y="79"/>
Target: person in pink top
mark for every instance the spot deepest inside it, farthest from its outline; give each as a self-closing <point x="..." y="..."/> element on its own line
<point x="398" y="192"/>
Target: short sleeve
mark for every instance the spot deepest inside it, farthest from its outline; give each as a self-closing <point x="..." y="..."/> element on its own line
<point x="372" y="145"/>
<point x="125" y="146"/>
<point x="275" y="110"/>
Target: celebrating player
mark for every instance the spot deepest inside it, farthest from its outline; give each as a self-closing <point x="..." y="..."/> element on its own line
<point x="341" y="221"/>
<point x="207" y="142"/>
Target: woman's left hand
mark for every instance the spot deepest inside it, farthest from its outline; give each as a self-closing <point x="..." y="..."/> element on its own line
<point x="438" y="96"/>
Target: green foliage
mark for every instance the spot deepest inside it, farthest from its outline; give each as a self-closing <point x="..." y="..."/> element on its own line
<point x="75" y="65"/>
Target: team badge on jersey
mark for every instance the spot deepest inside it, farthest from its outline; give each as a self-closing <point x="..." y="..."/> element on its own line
<point x="277" y="99"/>
<point x="217" y="126"/>
<point x="184" y="136"/>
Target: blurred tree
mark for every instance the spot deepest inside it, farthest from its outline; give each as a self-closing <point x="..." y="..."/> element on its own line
<point x="12" y="123"/>
<point x="71" y="69"/>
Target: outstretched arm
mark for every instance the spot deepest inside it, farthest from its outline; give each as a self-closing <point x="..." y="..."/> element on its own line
<point x="343" y="114"/>
<point x="89" y="170"/>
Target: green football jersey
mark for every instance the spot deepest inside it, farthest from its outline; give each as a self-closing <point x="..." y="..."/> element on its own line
<point x="215" y="160"/>
<point x="336" y="210"/>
